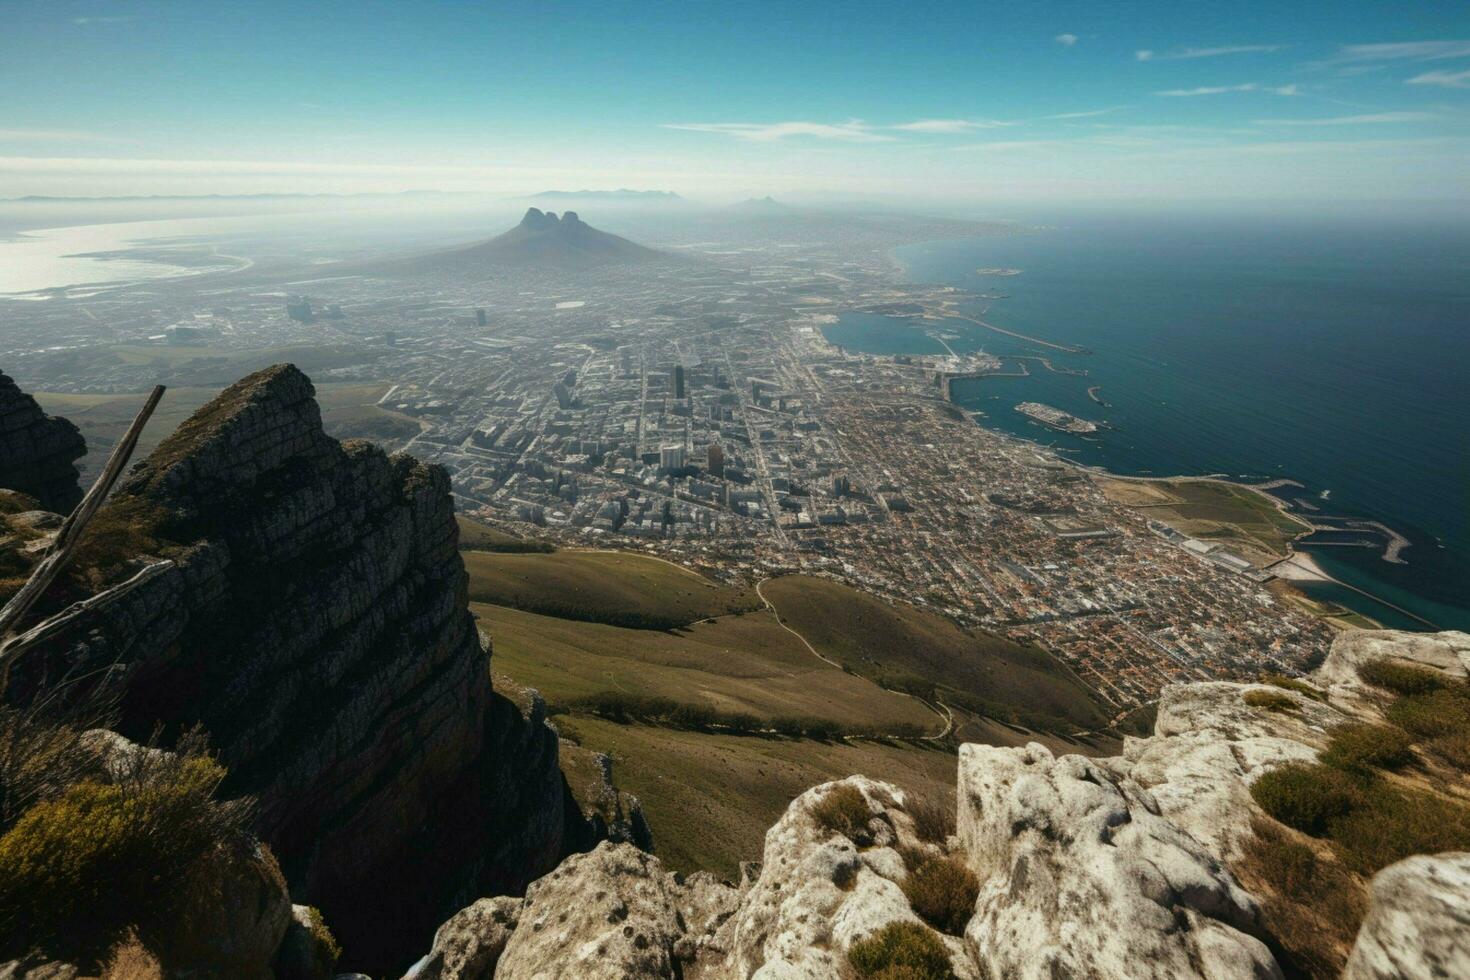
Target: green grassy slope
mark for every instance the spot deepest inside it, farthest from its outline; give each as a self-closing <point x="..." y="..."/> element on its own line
<point x="603" y="587"/>
<point x="910" y="648"/>
<point x="733" y="664"/>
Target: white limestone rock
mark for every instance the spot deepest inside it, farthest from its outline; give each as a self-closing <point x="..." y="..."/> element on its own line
<point x="1210" y="745"/>
<point x="1418" y="921"/>
<point x="611" y="913"/>
<point x="470" y="943"/>
<point x="1448" y="652"/>
<point x="1082" y="876"/>
<point x="817" y="893"/>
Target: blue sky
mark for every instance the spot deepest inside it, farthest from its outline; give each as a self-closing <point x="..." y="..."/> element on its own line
<point x="967" y="101"/>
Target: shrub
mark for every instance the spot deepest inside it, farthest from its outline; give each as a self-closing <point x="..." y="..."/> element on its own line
<point x="1361" y="745"/>
<point x="1305" y="798"/>
<point x="900" y="951"/>
<point x="1439" y="712"/>
<point x="1402" y="678"/>
<point x="1270" y="701"/>
<point x="1393" y="824"/>
<point x="1453" y="750"/>
<point x="39" y="758"/>
<point x="934" y="820"/>
<point x="1293" y="684"/>
<point x="943" y="892"/>
<point x="82" y="868"/>
<point x="1311" y="907"/>
<point x="325" y="941"/>
<point x="843" y="810"/>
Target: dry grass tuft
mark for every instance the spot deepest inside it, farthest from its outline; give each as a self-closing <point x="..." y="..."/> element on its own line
<point x="943" y="891"/>
<point x="900" y="951"/>
<point x="1271" y="701"/>
<point x="844" y="810"/>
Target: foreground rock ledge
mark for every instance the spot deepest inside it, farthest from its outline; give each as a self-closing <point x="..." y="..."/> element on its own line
<point x="1112" y="869"/>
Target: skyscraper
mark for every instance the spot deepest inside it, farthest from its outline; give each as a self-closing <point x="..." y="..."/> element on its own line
<point x="678" y="381"/>
<point x="671" y="457"/>
<point x="480" y="317"/>
<point x="716" y="461"/>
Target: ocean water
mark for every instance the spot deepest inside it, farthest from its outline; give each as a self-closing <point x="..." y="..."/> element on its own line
<point x="1331" y="352"/>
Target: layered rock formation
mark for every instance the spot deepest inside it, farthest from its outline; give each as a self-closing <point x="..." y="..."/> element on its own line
<point x="38" y="452"/>
<point x="314" y="622"/>
<point x="1103" y="868"/>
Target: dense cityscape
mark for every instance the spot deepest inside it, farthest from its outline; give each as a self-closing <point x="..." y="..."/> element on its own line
<point x="694" y="409"/>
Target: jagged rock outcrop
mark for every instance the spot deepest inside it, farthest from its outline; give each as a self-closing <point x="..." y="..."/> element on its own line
<point x="1105" y="868"/>
<point x="818" y="891"/>
<point x="1418" y="924"/>
<point x="1084" y="877"/>
<point x="38" y="452"/>
<point x="315" y="623"/>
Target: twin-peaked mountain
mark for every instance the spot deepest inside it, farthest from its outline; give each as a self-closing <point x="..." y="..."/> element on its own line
<point x="540" y="241"/>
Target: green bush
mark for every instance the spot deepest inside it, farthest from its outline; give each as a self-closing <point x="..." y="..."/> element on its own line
<point x="1402" y="678"/>
<point x="78" y="871"/>
<point x="1392" y="824"/>
<point x="1444" y="711"/>
<point x="1454" y="750"/>
<point x="934" y="820"/>
<point x="1293" y="684"/>
<point x="942" y="892"/>
<point x="1306" y="798"/>
<point x="900" y="951"/>
<point x="1270" y="701"/>
<point x="1362" y="746"/>
<point x="843" y="810"/>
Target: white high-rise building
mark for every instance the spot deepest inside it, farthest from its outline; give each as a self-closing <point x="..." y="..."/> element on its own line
<point x="672" y="457"/>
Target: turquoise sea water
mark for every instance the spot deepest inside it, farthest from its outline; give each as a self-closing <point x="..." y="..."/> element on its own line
<point x="1334" y="353"/>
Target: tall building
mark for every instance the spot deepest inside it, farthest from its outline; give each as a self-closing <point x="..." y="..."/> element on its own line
<point x="840" y="485"/>
<point x="672" y="457"/>
<point x="678" y="381"/>
<point x="480" y="317"/>
<point x="716" y="461"/>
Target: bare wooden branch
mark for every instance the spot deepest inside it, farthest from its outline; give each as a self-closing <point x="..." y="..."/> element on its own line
<point x="71" y="530"/>
<point x="16" y="645"/>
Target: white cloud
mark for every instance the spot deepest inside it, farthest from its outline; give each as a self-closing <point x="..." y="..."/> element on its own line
<point x="1085" y="115"/>
<point x="1363" y="120"/>
<point x="950" y="125"/>
<point x="1402" y="51"/>
<point x="1222" y="89"/>
<point x="853" y="131"/>
<point x="1146" y="55"/>
<point x="52" y="136"/>
<point x="1444" y="79"/>
<point x="1066" y="40"/>
<point x="85" y="21"/>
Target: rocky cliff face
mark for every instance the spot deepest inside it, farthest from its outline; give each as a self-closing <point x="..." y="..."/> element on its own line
<point x="38" y="452"/>
<point x="315" y="623"/>
<point x="1104" y="868"/>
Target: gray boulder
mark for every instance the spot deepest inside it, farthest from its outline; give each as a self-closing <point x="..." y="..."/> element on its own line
<point x="1418" y="922"/>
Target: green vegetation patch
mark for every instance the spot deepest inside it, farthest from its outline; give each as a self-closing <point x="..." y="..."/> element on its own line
<point x="1271" y="701"/>
<point x="603" y="587"/>
<point x="1294" y="684"/>
<point x="478" y="536"/>
<point x="78" y="871"/>
<point x="942" y="892"/>
<point x="900" y="951"/>
<point x="710" y="797"/>
<point x="735" y="665"/>
<point x="920" y="652"/>
<point x="1360" y="745"/>
<point x="1402" y="678"/>
<point x="1306" y="797"/>
<point x="843" y="810"/>
<point x="1439" y="712"/>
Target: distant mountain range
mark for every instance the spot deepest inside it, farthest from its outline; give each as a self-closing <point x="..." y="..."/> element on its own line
<point x="762" y="205"/>
<point x="622" y="194"/>
<point x="541" y="240"/>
